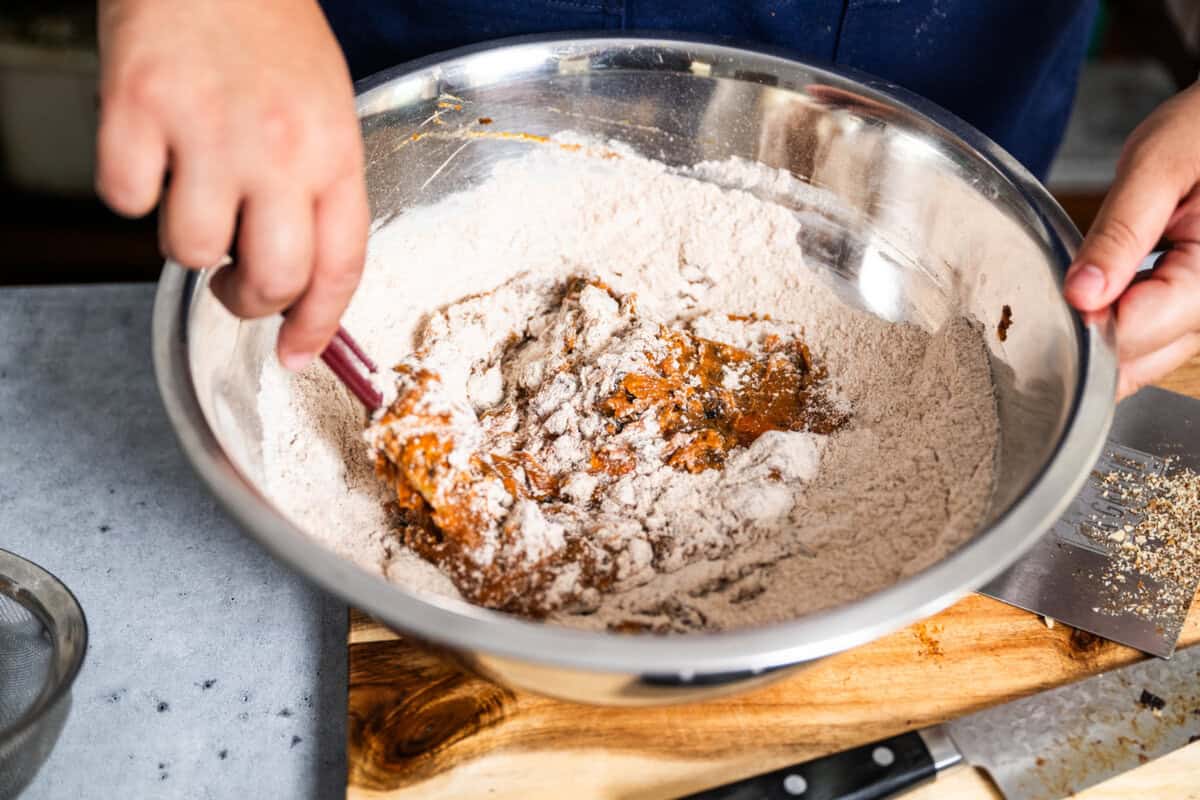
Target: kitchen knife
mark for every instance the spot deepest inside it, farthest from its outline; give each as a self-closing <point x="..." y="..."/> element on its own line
<point x="1043" y="747"/>
<point x="1059" y="576"/>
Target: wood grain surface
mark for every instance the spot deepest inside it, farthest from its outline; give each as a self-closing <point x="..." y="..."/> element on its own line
<point x="421" y="728"/>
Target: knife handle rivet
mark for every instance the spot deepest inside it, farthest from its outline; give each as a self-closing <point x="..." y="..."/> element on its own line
<point x="883" y="756"/>
<point x="795" y="785"/>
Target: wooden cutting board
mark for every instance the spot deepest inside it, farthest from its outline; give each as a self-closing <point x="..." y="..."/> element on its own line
<point x="420" y="728"/>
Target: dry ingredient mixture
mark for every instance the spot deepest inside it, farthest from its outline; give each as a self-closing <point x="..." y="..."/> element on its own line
<point x="594" y="446"/>
<point x="623" y="401"/>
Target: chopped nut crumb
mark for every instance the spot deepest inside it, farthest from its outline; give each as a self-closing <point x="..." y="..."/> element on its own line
<point x="1151" y="701"/>
<point x="1162" y="544"/>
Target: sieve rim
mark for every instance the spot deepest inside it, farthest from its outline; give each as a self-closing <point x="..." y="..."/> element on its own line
<point x="56" y="607"/>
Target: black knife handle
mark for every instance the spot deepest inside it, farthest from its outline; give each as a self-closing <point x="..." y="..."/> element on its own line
<point x="873" y="771"/>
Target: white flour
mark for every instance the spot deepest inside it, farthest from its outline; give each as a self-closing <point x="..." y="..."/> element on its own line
<point x="565" y="432"/>
<point x="904" y="482"/>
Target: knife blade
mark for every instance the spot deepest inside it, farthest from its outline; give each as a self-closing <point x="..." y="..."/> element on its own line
<point x="1042" y="747"/>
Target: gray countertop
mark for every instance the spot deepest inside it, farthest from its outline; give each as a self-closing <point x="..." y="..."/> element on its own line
<point x="211" y="671"/>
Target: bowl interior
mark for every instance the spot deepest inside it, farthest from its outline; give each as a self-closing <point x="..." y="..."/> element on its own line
<point x="910" y="219"/>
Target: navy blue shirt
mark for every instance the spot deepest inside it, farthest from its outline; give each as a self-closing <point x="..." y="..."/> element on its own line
<point x="1008" y="67"/>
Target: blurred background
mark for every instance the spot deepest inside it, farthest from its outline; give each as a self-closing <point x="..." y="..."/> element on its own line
<point x="54" y="230"/>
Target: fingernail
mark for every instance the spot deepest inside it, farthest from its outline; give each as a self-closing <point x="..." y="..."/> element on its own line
<point x="297" y="361"/>
<point x="1088" y="281"/>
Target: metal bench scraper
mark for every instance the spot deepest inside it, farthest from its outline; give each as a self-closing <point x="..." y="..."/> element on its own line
<point x="1062" y="576"/>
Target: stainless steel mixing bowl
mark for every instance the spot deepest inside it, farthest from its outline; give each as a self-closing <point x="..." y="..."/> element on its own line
<point x="911" y="213"/>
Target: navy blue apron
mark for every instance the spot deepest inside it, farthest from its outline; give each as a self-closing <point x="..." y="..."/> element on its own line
<point x="1008" y="67"/>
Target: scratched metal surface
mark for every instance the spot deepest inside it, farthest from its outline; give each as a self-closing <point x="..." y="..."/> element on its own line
<point x="1057" y="743"/>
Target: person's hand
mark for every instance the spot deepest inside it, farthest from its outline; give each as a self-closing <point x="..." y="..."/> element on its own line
<point x="247" y="111"/>
<point x="1156" y="194"/>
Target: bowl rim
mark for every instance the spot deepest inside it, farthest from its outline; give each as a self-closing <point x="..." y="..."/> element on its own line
<point x="46" y="597"/>
<point x="463" y="627"/>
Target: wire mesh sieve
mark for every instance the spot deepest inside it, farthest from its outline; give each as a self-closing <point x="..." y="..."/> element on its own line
<point x="42" y="640"/>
